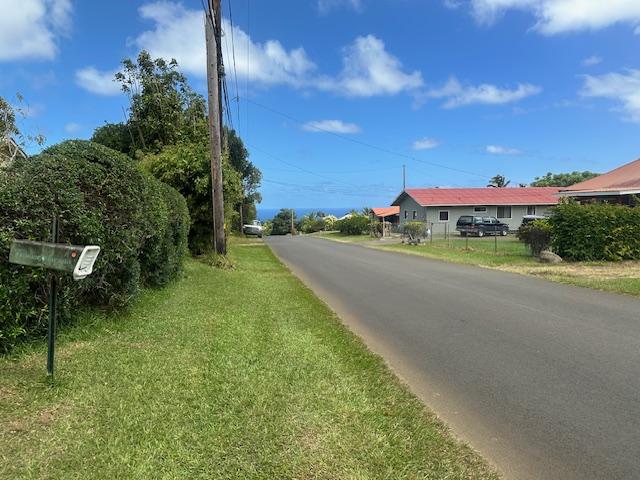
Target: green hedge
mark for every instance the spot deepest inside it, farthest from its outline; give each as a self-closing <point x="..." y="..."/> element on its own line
<point x="354" y="225"/>
<point x="102" y="198"/>
<point x="596" y="232"/>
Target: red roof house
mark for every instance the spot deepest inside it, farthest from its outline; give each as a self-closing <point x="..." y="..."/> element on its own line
<point x="617" y="186"/>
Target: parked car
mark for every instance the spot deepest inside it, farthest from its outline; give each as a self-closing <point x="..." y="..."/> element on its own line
<point x="254" y="228"/>
<point x="531" y="218"/>
<point x="480" y="226"/>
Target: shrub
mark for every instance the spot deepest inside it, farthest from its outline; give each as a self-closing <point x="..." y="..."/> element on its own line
<point x="415" y="228"/>
<point x="353" y="225"/>
<point x="596" y="232"/>
<point x="536" y="235"/>
<point x="102" y="198"/>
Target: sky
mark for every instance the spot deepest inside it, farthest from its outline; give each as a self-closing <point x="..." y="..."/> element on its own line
<point x="333" y="97"/>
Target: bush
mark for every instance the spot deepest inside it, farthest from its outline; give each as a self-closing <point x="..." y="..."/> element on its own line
<point x="415" y="229"/>
<point x="102" y="198"/>
<point x="596" y="232"/>
<point x="353" y="225"/>
<point x="536" y="235"/>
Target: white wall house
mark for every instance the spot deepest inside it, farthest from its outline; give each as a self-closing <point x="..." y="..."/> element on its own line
<point x="443" y="206"/>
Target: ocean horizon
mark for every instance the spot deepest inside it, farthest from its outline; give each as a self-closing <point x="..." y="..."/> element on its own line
<point x="268" y="213"/>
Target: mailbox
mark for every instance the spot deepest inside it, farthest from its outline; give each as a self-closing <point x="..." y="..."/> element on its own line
<point x="74" y="259"/>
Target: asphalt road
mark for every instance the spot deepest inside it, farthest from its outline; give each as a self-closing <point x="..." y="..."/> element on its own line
<point x="543" y="379"/>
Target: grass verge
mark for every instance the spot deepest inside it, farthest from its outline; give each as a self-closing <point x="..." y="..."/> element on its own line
<point x="513" y="256"/>
<point x="226" y="374"/>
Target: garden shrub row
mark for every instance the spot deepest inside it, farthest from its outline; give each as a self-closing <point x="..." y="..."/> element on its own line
<point x="596" y="232"/>
<point x="353" y="225"/>
<point x="101" y="198"/>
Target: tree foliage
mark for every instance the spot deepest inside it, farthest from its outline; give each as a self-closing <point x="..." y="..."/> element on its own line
<point x="499" y="181"/>
<point x="536" y="235"/>
<point x="562" y="179"/>
<point x="281" y="223"/>
<point x="168" y="131"/>
<point x="312" y="222"/>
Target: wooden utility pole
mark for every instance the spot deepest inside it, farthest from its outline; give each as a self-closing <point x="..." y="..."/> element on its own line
<point x="215" y="126"/>
<point x="404" y="177"/>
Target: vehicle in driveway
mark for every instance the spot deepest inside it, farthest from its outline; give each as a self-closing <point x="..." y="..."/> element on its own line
<point x="480" y="226"/>
<point x="254" y="228"/>
<point x="532" y="218"/>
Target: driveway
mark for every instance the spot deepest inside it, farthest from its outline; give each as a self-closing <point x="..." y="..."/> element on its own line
<point x="541" y="378"/>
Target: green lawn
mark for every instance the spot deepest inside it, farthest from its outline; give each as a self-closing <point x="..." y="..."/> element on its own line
<point x="513" y="256"/>
<point x="472" y="251"/>
<point x="229" y="374"/>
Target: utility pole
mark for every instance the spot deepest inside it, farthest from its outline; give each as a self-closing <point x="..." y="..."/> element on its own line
<point x="212" y="36"/>
<point x="404" y="177"/>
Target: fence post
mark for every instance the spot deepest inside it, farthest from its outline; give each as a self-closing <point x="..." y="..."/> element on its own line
<point x="495" y="248"/>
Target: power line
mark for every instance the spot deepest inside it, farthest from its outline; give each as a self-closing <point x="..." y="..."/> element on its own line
<point x="235" y="71"/>
<point x="366" y="144"/>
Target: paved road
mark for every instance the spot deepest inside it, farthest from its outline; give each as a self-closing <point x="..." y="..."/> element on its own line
<point x="543" y="379"/>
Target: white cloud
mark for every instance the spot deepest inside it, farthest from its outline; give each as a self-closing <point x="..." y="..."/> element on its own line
<point x="591" y="61"/>
<point x="500" y="150"/>
<point x="332" y="126"/>
<point x="179" y="33"/>
<point x="72" y="128"/>
<point x="558" y="16"/>
<point x="325" y="6"/>
<point x="96" y="81"/>
<point x="425" y="144"/>
<point x="622" y="87"/>
<point x="369" y="70"/>
<point x="31" y="29"/>
<point x="458" y="95"/>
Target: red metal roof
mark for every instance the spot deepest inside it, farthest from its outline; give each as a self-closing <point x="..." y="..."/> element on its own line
<point x="386" y="211"/>
<point x="624" y="178"/>
<point x="482" y="196"/>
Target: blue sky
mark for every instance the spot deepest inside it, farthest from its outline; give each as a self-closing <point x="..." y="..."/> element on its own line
<point x="336" y="95"/>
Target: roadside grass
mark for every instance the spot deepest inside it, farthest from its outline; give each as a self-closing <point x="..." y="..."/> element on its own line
<point x="339" y="237"/>
<point x="225" y="374"/>
<point x="513" y="256"/>
<point x="471" y="251"/>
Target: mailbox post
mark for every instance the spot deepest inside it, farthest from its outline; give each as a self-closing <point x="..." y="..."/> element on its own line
<point x="57" y="257"/>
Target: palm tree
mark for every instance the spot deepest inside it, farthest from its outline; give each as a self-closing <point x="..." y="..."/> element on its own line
<point x="499" y="181"/>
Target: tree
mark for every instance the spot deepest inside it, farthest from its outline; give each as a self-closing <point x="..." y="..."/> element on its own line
<point x="117" y="136"/>
<point x="281" y="223"/>
<point x="312" y="222"/>
<point x="250" y="175"/>
<point x="163" y="109"/>
<point x="499" y="181"/>
<point x="562" y="179"/>
<point x="186" y="168"/>
<point x="12" y="140"/>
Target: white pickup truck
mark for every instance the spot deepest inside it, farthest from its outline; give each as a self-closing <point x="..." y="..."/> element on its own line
<point x="253" y="228"/>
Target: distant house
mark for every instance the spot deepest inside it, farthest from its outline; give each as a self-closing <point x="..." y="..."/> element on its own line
<point x="443" y="206"/>
<point x="389" y="215"/>
<point x="617" y="186"/>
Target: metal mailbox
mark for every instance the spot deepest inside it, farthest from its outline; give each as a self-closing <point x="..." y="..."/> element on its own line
<point x="74" y="259"/>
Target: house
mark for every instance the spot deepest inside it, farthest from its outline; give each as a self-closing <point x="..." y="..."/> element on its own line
<point x="390" y="215"/>
<point x="443" y="206"/>
<point x="617" y="186"/>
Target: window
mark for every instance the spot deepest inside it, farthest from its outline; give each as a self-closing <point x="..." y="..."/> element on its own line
<point x="443" y="215"/>
<point x="504" y="212"/>
<point x="486" y="219"/>
<point x="406" y="214"/>
<point x="480" y="209"/>
<point x="531" y="210"/>
<point x="415" y="214"/>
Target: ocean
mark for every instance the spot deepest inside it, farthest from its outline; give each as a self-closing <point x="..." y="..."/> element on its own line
<point x="269" y="213"/>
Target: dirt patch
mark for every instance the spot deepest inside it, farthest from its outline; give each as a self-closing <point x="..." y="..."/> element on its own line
<point x="41" y="419"/>
<point x="581" y="270"/>
<point x="7" y="394"/>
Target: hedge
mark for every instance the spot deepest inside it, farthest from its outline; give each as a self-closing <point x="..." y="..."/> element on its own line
<point x="102" y="198"/>
<point x="353" y="225"/>
<point x="596" y="232"/>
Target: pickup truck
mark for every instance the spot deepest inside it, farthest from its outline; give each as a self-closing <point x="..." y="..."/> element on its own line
<point x="481" y="226"/>
<point x="253" y="228"/>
